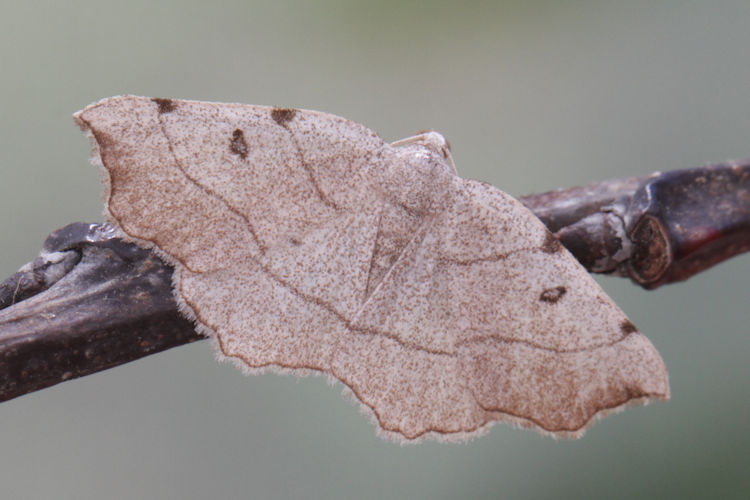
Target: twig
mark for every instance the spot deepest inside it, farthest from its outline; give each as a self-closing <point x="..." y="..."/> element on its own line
<point x="92" y="301"/>
<point x="656" y="229"/>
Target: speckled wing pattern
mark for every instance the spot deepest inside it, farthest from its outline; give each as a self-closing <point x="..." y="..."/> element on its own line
<point x="301" y="241"/>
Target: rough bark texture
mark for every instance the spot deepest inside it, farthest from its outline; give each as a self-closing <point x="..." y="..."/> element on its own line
<point x="113" y="306"/>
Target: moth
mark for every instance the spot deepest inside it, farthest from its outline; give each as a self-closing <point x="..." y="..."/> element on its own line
<point x="302" y="242"/>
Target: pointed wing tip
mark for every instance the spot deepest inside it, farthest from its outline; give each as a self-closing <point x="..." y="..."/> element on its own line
<point x="79" y="118"/>
<point x="90" y="121"/>
<point x="95" y="156"/>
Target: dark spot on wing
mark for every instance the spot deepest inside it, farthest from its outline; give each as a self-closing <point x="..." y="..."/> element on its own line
<point x="551" y="244"/>
<point x="282" y="116"/>
<point x="238" y="144"/>
<point x="165" y="105"/>
<point x="627" y="327"/>
<point x="552" y="295"/>
<point x="295" y="241"/>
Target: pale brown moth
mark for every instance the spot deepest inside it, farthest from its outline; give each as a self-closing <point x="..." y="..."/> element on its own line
<point x="303" y="242"/>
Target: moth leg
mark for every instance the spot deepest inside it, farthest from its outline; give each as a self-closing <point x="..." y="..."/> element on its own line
<point x="433" y="141"/>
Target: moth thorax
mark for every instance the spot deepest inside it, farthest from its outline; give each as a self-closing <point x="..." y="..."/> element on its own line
<point x="418" y="179"/>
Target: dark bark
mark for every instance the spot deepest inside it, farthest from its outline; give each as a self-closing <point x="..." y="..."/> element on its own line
<point x="113" y="306"/>
<point x="656" y="229"/>
<point x="92" y="301"/>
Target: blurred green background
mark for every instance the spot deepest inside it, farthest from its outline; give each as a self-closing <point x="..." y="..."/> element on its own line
<point x="533" y="95"/>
